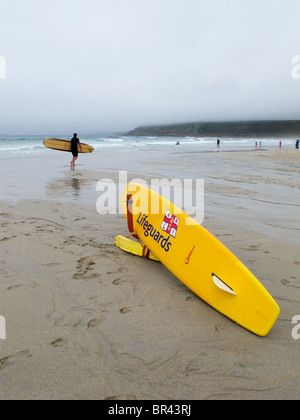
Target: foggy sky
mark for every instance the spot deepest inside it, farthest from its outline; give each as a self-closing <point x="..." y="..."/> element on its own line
<point x="96" y="66"/>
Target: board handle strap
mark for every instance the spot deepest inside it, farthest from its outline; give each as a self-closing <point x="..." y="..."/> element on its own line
<point x="129" y="203"/>
<point x="146" y="252"/>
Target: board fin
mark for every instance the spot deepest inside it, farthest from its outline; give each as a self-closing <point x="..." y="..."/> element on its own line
<point x="222" y="285"/>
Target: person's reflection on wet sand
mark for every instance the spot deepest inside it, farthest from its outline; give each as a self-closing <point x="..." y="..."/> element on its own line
<point x="75" y="183"/>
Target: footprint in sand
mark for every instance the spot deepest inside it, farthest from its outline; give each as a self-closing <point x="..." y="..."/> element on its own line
<point x="291" y="282"/>
<point x="253" y="247"/>
<point x="17" y="286"/>
<point x="94" y="322"/>
<point x="125" y="310"/>
<point x="9" y="360"/>
<point x="5" y="214"/>
<point x="7" y="239"/>
<point x="85" y="265"/>
<point x="60" y="342"/>
<point x="119" y="281"/>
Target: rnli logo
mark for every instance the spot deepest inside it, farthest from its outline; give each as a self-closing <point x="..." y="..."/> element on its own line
<point x="170" y="224"/>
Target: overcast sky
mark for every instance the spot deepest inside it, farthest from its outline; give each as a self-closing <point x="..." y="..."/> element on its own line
<point x="96" y="66"/>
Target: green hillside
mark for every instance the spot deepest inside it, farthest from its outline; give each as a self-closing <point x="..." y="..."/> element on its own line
<point x="258" y="129"/>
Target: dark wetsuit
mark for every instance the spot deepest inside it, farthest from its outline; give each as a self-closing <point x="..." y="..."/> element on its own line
<point x="74" y="146"/>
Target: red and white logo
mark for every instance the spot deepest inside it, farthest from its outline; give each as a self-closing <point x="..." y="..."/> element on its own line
<point x="170" y="224"/>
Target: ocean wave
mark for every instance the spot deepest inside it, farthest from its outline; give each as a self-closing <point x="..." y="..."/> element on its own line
<point x="26" y="145"/>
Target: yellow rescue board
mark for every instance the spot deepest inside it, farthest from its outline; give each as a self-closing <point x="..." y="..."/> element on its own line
<point x="135" y="248"/>
<point x="199" y="260"/>
<point x="65" y="146"/>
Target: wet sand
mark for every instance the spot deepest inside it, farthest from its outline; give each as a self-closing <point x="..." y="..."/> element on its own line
<point x="87" y="321"/>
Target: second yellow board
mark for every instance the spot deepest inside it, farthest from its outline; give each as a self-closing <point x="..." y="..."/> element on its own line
<point x="65" y="146"/>
<point x="198" y="259"/>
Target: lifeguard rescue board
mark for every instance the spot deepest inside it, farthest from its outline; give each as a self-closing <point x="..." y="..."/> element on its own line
<point x="198" y="259"/>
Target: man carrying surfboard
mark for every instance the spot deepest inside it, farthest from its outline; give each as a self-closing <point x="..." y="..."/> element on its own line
<point x="75" y="143"/>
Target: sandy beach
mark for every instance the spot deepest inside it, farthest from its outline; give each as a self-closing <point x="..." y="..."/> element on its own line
<point x="84" y="320"/>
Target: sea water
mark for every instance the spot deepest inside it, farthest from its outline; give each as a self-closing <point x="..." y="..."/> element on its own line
<point x="33" y="145"/>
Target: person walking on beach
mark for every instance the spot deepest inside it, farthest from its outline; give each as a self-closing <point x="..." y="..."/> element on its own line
<point x="297" y="144"/>
<point x="75" y="143"/>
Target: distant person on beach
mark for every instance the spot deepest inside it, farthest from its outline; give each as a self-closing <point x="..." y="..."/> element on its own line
<point x="75" y="143"/>
<point x="297" y="144"/>
<point x="218" y="143"/>
<point x="280" y="144"/>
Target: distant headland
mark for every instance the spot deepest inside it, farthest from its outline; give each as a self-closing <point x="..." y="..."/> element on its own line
<point x="280" y="129"/>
